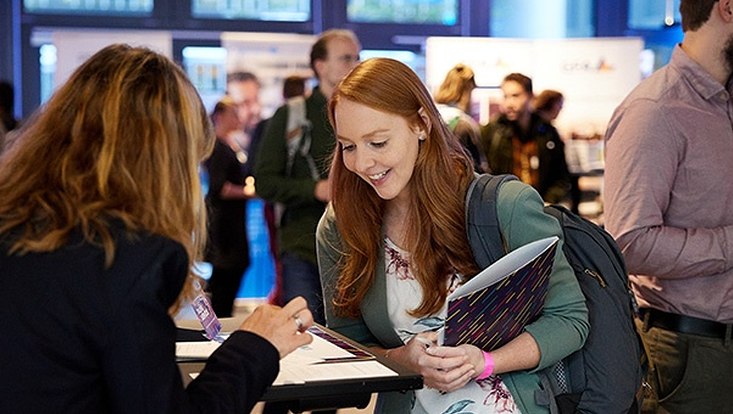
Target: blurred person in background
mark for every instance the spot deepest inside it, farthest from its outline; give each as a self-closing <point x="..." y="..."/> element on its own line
<point x="226" y="201"/>
<point x="548" y="105"/>
<point x="293" y="86"/>
<point x="7" y="117"/>
<point x="300" y="183"/>
<point x="520" y="142"/>
<point x="7" y="105"/>
<point x="244" y="88"/>
<point x="454" y="103"/>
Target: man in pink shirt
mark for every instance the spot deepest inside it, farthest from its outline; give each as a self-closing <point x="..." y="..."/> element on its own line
<point x="668" y="196"/>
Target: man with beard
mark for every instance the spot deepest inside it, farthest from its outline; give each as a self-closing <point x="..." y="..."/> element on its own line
<point x="522" y="143"/>
<point x="667" y="193"/>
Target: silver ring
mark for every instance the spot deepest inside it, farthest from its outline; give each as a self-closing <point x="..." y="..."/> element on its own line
<point x="298" y="322"/>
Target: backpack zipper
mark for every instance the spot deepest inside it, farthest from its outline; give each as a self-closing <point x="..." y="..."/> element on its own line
<point x="595" y="276"/>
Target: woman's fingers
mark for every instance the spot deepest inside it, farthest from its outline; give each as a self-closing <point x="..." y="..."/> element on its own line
<point x="285" y="327"/>
<point x="449" y="380"/>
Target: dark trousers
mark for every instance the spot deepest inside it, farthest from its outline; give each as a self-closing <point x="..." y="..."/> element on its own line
<point x="301" y="278"/>
<point x="688" y="374"/>
<point x="223" y="286"/>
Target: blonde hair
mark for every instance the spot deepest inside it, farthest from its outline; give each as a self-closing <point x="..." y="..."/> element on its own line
<point x="224" y="104"/>
<point x="120" y="141"/>
<point x="457" y="86"/>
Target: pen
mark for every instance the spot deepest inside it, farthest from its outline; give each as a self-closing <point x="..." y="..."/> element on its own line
<point x="335" y="360"/>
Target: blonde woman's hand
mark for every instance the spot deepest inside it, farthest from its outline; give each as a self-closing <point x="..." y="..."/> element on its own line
<point x="284" y="327"/>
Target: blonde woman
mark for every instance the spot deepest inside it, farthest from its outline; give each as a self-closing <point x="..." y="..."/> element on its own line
<point x="101" y="219"/>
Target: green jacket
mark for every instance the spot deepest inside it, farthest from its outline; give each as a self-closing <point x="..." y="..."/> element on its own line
<point x="560" y="330"/>
<point x="295" y="192"/>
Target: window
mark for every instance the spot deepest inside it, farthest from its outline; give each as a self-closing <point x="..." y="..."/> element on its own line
<point x="106" y="7"/>
<point x="206" y="67"/>
<point x="653" y="14"/>
<point x="551" y="19"/>
<point x="444" y="12"/>
<point x="48" y="70"/>
<point x="268" y="10"/>
<point x="415" y="61"/>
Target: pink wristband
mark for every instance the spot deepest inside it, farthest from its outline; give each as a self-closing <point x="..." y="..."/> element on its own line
<point x="488" y="366"/>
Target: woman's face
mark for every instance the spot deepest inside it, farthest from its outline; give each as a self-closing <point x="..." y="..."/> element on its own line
<point x="379" y="147"/>
<point x="228" y="121"/>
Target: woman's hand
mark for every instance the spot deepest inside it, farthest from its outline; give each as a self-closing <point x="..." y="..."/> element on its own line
<point x="443" y="368"/>
<point x="475" y="357"/>
<point x="284" y="327"/>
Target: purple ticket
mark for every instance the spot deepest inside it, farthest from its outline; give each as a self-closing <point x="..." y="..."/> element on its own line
<point x="205" y="313"/>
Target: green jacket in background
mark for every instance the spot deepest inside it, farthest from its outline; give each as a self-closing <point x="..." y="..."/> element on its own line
<point x="295" y="192"/>
<point x="560" y="330"/>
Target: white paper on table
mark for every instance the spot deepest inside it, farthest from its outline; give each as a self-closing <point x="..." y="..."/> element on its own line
<point x="320" y="350"/>
<point x="293" y="373"/>
<point x="299" y="374"/>
<point x="196" y="349"/>
<point x="318" y="361"/>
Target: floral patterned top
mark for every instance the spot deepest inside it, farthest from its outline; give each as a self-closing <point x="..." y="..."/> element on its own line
<point x="489" y="395"/>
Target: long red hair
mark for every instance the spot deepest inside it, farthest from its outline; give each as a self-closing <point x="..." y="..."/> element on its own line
<point x="436" y="236"/>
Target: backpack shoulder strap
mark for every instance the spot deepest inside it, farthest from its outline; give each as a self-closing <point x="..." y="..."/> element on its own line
<point x="482" y="220"/>
<point x="296" y="116"/>
<point x="298" y="136"/>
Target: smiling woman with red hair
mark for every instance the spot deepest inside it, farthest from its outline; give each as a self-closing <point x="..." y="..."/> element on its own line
<point x="393" y="244"/>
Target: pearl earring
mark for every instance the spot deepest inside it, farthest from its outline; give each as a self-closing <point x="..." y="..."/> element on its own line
<point x="421" y="137"/>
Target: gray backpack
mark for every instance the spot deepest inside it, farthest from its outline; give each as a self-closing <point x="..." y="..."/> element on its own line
<point x="298" y="143"/>
<point x="605" y="375"/>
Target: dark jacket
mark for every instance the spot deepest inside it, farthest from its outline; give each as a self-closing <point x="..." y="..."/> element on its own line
<point x="496" y="142"/>
<point x="296" y="192"/>
<point x="79" y="338"/>
<point x="227" y="242"/>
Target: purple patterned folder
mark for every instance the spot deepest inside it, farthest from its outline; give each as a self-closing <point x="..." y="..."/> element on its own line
<point x="494" y="306"/>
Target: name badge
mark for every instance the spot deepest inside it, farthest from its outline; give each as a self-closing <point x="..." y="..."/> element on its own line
<point x="205" y="314"/>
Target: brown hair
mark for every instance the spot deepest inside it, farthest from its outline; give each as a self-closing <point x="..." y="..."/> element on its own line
<point x="319" y="50"/>
<point x="293" y="86"/>
<point x="436" y="237"/>
<point x="242" y="76"/>
<point x="457" y="86"/>
<point x="547" y="99"/>
<point x="119" y="141"/>
<point x="523" y="80"/>
<point x="695" y="13"/>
